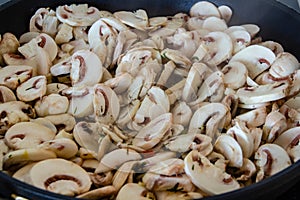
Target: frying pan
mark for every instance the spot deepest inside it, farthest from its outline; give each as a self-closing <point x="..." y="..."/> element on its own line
<point x="277" y="23"/>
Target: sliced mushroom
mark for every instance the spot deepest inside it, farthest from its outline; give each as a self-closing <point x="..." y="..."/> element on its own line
<point x="134" y="191"/>
<point x="271" y="159"/>
<point x="86" y="68"/>
<point x="3" y="150"/>
<point x="106" y="191"/>
<point x="247" y="171"/>
<point x="62" y="147"/>
<point x="106" y="104"/>
<point x="81" y="101"/>
<point x="256" y="58"/>
<point x="151" y="134"/>
<point x="122" y="174"/>
<point x="182" y="113"/>
<point x="214" y="24"/>
<point x="235" y="75"/>
<point x="27" y="135"/>
<point x="67" y="179"/>
<point x="225" y="12"/>
<point x="204" y="9"/>
<point x="120" y="83"/>
<point x="52" y="104"/>
<point x="116" y="158"/>
<point x="200" y="169"/>
<point x="252" y="29"/>
<point x="23" y="174"/>
<point x="48" y="44"/>
<point x="66" y="121"/>
<point x="32" y="89"/>
<point x="169" y="167"/>
<point x="137" y="19"/>
<point x="262" y="93"/>
<point x="45" y="122"/>
<point x="14" y="75"/>
<point x="8" y="44"/>
<point x="241" y="39"/>
<point x="6" y="94"/>
<point x="209" y="119"/>
<point x="23" y="156"/>
<point x="274" y="125"/>
<point x="284" y="65"/>
<point x="274" y="46"/>
<point x="64" y="34"/>
<point x="77" y="15"/>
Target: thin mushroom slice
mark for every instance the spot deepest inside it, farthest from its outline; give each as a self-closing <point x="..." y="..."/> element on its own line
<point x="13" y="75"/>
<point x="133" y="191"/>
<point x="182" y="113"/>
<point x="254" y="118"/>
<point x="114" y="159"/>
<point x="225" y="12"/>
<point x="67" y="179"/>
<point x="77" y="15"/>
<point x="235" y="75"/>
<point x="138" y="19"/>
<point x="270" y="159"/>
<point x="23" y="174"/>
<point x="274" y="46"/>
<point x="8" y="44"/>
<point x="121" y="176"/>
<point x="231" y="149"/>
<point x="262" y="93"/>
<point x="27" y="135"/>
<point x="200" y="170"/>
<point x="204" y="9"/>
<point x="6" y="94"/>
<point x="52" y="104"/>
<point x="66" y="121"/>
<point x="106" y="191"/>
<point x="48" y="44"/>
<point x="252" y="29"/>
<point x="86" y="68"/>
<point x="106" y="104"/>
<point x="241" y="39"/>
<point x="274" y="125"/>
<point x="214" y="24"/>
<point x="284" y="65"/>
<point x="151" y="134"/>
<point x="256" y="58"/>
<point x="32" y="89"/>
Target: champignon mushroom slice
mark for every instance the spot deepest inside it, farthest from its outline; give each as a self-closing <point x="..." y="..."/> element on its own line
<point x="24" y="156"/>
<point x="13" y="75"/>
<point x="219" y="47"/>
<point x="284" y="65"/>
<point x="121" y="176"/>
<point x="6" y="94"/>
<point x="120" y="83"/>
<point x="67" y="179"/>
<point x="270" y="159"/>
<point x="225" y="12"/>
<point x="274" y="46"/>
<point x="62" y="147"/>
<point x="177" y="57"/>
<point x="254" y="118"/>
<point x="48" y="44"/>
<point x="197" y="74"/>
<point x="46" y="123"/>
<point x="214" y="24"/>
<point x="235" y="75"/>
<point x="246" y="171"/>
<point x="64" y="34"/>
<point x="133" y="191"/>
<point x="116" y="158"/>
<point x="200" y="170"/>
<point x="151" y="134"/>
<point x="138" y="19"/>
<point x="252" y="29"/>
<point x="288" y="137"/>
<point x="241" y="39"/>
<point x="88" y="135"/>
<point x="27" y="135"/>
<point x="66" y="120"/>
<point x="81" y="101"/>
<point x="231" y="149"/>
<point x="204" y="9"/>
<point x="8" y="44"/>
<point x="262" y="93"/>
<point x="274" y="125"/>
<point x="23" y="174"/>
<point x="182" y="113"/>
<point x="52" y="104"/>
<point x="106" y="191"/>
<point x="77" y="15"/>
<point x="32" y="89"/>
<point x="169" y="167"/>
<point x="256" y="58"/>
<point x="208" y="119"/>
<point x="106" y="104"/>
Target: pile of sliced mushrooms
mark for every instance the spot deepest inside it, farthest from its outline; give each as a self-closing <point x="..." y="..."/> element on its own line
<point x="120" y="105"/>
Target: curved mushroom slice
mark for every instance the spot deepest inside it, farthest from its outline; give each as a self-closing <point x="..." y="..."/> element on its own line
<point x="24" y="156"/>
<point x="190" y="141"/>
<point x="241" y="39"/>
<point x="81" y="101"/>
<point x="200" y="170"/>
<point x="8" y="44"/>
<point x="64" y="34"/>
<point x="27" y="135"/>
<point x="62" y="147"/>
<point x="204" y="9"/>
<point x="284" y="65"/>
<point x="13" y="75"/>
<point x="138" y="19"/>
<point x="177" y="57"/>
<point x="6" y="94"/>
<point x="151" y="134"/>
<point x="256" y="58"/>
<point x="225" y="12"/>
<point x="48" y="44"/>
<point x="270" y="159"/>
<point x="214" y="24"/>
<point x="86" y="68"/>
<point x="32" y="89"/>
<point x="66" y="121"/>
<point x="44" y="21"/>
<point x="254" y="118"/>
<point x="14" y="112"/>
<point x="120" y="83"/>
<point x="106" y="104"/>
<point x="252" y="29"/>
<point x="274" y="46"/>
<point x="274" y="125"/>
<point x="219" y="47"/>
<point x="52" y="104"/>
<point x="67" y="179"/>
<point x="235" y="75"/>
<point x="61" y="68"/>
<point x="182" y="113"/>
<point x="133" y="191"/>
<point x="88" y="135"/>
<point x="116" y="158"/>
<point x="231" y="149"/>
<point x="209" y="119"/>
<point x="23" y="174"/>
<point x="169" y="167"/>
<point x="121" y="176"/>
<point x="246" y="171"/>
<point x="263" y="93"/>
<point x="77" y="15"/>
<point x="45" y="122"/>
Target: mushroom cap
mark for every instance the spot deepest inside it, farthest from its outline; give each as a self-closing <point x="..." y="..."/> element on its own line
<point x="68" y="179"/>
<point x="204" y="9"/>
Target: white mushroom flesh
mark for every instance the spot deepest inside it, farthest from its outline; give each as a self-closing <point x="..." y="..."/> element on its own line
<point x="122" y="105"/>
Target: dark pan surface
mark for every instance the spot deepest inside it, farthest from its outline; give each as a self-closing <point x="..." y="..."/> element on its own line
<point x="277" y="23"/>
